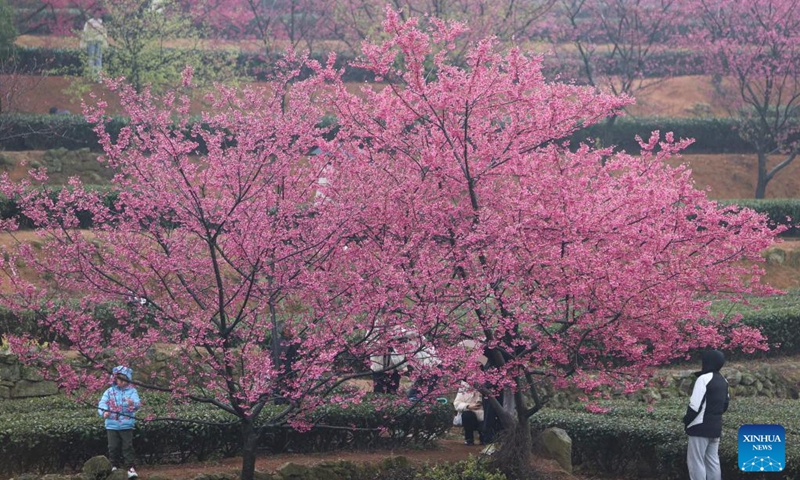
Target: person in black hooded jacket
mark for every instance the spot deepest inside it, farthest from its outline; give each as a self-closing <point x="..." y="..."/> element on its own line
<point x="703" y="419"/>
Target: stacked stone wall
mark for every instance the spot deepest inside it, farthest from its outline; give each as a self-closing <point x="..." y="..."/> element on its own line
<point x="19" y="381"/>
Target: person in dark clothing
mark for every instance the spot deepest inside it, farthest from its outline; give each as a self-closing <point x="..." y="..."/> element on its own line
<point x="386" y="372"/>
<point x="703" y="419"/>
<point x="286" y="356"/>
<point x="491" y="422"/>
<point x="492" y="425"/>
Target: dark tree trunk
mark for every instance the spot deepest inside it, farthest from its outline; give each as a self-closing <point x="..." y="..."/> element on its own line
<point x="514" y="455"/>
<point x="763" y="177"/>
<point x="249" y="443"/>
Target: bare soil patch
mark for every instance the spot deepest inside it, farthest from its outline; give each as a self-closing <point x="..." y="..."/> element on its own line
<point x="687" y="96"/>
<point x="730" y="175"/>
<point x="447" y="451"/>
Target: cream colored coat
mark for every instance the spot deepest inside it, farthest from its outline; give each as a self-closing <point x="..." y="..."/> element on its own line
<point x="467" y="396"/>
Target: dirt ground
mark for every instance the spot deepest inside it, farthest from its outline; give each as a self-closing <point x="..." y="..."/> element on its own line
<point x="676" y="97"/>
<point x="448" y="450"/>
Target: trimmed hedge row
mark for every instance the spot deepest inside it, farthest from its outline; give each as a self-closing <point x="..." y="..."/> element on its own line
<point x="711" y="134"/>
<point x="634" y="439"/>
<point x="47" y="132"/>
<point x="781" y="211"/>
<point x="70" y="61"/>
<point x="784" y="211"/>
<point x="70" y="435"/>
<point x="10" y="209"/>
<point x="776" y="316"/>
<point x="25" y="131"/>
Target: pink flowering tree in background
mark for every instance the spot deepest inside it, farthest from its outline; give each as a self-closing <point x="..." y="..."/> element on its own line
<point x="755" y="48"/>
<point x="615" y="45"/>
<point x="215" y="241"/>
<point x="58" y="17"/>
<point x="559" y="266"/>
<point x="353" y="21"/>
<point x="275" y="26"/>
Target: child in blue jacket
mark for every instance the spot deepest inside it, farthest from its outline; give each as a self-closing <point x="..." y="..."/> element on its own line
<point x="118" y="407"/>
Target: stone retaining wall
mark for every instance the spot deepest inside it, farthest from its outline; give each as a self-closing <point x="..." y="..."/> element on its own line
<point x="19" y="381"/>
<point x="764" y="381"/>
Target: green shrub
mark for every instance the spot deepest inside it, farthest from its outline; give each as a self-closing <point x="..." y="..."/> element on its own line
<point x="781" y="211"/>
<point x="776" y="316"/>
<point x="256" y="65"/>
<point x="10" y="209"/>
<point x="8" y="32"/>
<point x="711" y="135"/>
<point x="635" y="439"/>
<point x="72" y="434"/>
<point x="474" y="468"/>
<point x="47" y="132"/>
<point x="37" y="61"/>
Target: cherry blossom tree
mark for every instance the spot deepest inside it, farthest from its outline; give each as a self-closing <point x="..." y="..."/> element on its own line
<point x="214" y="244"/>
<point x="451" y="210"/>
<point x="276" y="26"/>
<point x="58" y="17"/>
<point x="615" y="45"/>
<point x="479" y="224"/>
<point x="755" y="48"/>
<point x="353" y="21"/>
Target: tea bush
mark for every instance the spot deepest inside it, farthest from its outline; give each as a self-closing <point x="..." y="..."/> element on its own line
<point x="712" y="134"/>
<point x="53" y="434"/>
<point x="634" y="439"/>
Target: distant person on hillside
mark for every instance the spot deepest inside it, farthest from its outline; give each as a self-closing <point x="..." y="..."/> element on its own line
<point x="94" y="39"/>
<point x="703" y="419"/>
<point x="118" y="407"/>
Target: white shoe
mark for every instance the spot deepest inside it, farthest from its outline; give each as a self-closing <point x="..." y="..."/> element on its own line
<point x="132" y="473"/>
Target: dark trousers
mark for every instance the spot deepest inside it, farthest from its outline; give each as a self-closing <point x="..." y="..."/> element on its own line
<point x="491" y="422"/>
<point x="469" y="420"/>
<point x="422" y="388"/>
<point x="120" y="448"/>
<point x="385" y="382"/>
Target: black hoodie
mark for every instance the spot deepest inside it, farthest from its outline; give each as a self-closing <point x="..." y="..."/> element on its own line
<point x="709" y="398"/>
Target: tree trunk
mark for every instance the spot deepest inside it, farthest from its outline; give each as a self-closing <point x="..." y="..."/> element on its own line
<point x="607" y="136"/>
<point x="249" y="443"/>
<point x="514" y="443"/>
<point x="763" y="178"/>
<point x="514" y="454"/>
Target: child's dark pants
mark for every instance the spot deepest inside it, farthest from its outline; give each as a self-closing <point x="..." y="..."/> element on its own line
<point x="120" y="448"/>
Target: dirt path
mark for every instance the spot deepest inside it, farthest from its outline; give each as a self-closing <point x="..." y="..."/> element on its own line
<point x="448" y="450"/>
